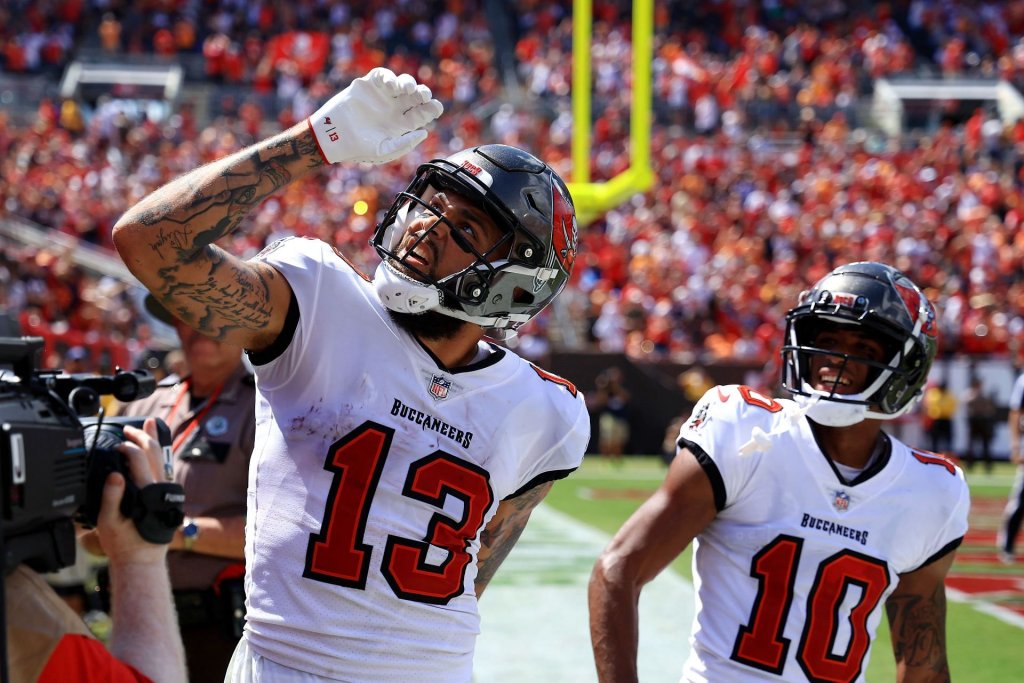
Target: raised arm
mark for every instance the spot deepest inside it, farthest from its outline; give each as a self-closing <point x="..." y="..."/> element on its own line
<point x="167" y="239"/>
<point x="649" y="540"/>
<point x="917" y="620"/>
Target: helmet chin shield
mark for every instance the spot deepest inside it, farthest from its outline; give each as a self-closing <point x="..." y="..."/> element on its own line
<point x="403" y="294"/>
<point x="881" y="302"/>
<point x="514" y="279"/>
<point x="830" y="413"/>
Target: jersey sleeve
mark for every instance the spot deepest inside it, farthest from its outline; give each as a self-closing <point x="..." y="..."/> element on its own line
<point x="561" y="442"/>
<point x="329" y="292"/>
<point x="954" y="506"/>
<point x="723" y="420"/>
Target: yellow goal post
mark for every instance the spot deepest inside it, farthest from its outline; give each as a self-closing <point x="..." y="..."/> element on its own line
<point x="593" y="199"/>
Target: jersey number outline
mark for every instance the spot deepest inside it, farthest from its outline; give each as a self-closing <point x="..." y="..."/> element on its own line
<point x="756" y="398"/>
<point x="338" y="554"/>
<point x="760" y="642"/>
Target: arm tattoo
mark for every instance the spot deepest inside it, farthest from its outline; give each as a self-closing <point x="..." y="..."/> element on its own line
<point x="189" y="215"/>
<point x="498" y="539"/>
<point x="918" y="630"/>
<point x="210" y="202"/>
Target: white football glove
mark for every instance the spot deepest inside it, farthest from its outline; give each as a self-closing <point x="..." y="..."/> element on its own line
<point x="377" y="118"/>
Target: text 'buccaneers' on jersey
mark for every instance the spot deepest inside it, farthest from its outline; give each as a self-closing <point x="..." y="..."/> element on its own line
<point x="804" y="559"/>
<point x="418" y="458"/>
<point x="806" y="517"/>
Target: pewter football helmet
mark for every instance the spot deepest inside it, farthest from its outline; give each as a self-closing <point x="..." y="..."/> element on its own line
<point x="882" y="301"/>
<point x="517" y="277"/>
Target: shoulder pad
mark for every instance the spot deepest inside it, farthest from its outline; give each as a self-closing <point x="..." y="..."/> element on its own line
<point x="743" y="409"/>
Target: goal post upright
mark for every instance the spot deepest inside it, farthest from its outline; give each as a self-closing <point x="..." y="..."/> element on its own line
<point x="591" y="198"/>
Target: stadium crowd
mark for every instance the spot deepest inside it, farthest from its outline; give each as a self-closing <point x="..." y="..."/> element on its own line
<point x="766" y="175"/>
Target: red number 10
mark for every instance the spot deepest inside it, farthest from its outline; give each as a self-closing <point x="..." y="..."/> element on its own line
<point x="338" y="554"/>
<point x="760" y="643"/>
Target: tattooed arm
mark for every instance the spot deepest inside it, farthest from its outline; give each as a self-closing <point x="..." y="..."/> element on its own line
<point x="503" y="531"/>
<point x="917" y="619"/>
<point x="167" y="240"/>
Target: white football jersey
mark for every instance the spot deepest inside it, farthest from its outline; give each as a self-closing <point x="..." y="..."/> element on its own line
<point x="792" y="575"/>
<point x="375" y="470"/>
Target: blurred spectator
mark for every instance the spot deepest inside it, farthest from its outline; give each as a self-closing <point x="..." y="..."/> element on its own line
<point x="110" y="33"/>
<point x="611" y="400"/>
<point x="694" y="383"/>
<point x="940" y="406"/>
<point x="9" y="326"/>
<point x="77" y="361"/>
<point x="982" y="413"/>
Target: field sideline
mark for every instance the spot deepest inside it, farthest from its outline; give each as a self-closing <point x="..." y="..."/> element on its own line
<point x="537" y="604"/>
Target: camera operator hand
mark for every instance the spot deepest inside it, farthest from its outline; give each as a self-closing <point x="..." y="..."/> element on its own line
<point x="117" y="535"/>
<point x="145" y="629"/>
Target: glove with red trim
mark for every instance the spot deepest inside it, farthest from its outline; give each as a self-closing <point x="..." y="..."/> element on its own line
<point x="376" y="119"/>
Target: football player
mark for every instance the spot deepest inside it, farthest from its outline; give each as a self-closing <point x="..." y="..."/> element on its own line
<point x="398" y="453"/>
<point x="806" y="517"/>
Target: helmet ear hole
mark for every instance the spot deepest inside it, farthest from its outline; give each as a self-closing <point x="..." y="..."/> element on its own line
<point x="521" y="296"/>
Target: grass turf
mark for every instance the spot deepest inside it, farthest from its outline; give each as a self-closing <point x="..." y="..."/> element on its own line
<point x="982" y="648"/>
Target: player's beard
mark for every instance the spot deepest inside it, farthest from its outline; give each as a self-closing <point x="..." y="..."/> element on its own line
<point x="431" y="325"/>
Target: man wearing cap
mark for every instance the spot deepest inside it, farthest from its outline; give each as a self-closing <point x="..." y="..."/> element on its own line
<point x="211" y="413"/>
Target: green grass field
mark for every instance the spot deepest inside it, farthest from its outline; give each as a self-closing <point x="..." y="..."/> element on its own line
<point x="982" y="648"/>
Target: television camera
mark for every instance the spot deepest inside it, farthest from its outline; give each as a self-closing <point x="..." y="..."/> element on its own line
<point x="55" y="459"/>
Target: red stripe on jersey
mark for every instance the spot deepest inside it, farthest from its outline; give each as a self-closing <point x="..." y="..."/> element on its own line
<point x="550" y="377"/>
<point x="351" y="265"/>
<point x="933" y="459"/>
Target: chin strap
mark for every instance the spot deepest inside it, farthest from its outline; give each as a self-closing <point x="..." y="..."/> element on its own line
<point x="402" y="294"/>
<point x="761" y="441"/>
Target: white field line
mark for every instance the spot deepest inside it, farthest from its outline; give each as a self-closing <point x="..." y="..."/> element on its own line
<point x="534" y="613"/>
<point x="1007" y="616"/>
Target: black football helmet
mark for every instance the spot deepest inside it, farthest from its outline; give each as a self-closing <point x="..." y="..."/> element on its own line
<point x="882" y="301"/>
<point x="517" y="277"/>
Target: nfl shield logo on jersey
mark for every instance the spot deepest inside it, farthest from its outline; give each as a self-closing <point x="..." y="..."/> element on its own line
<point x="841" y="501"/>
<point x="439" y="387"/>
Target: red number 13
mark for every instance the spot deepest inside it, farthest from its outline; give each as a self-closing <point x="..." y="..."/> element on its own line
<point x="338" y="554"/>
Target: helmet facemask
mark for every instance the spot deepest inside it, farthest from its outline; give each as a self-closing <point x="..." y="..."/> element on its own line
<point x="466" y="287"/>
<point x="886" y="379"/>
<point x="506" y="284"/>
<point x="880" y="302"/>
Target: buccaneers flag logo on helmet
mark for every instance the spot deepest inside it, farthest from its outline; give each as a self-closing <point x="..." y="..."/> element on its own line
<point x="912" y="300"/>
<point x="565" y="231"/>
